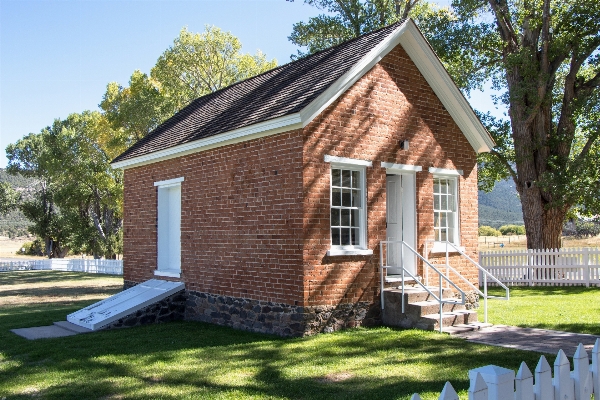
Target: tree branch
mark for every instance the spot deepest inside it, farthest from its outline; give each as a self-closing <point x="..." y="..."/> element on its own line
<point x="506" y="164"/>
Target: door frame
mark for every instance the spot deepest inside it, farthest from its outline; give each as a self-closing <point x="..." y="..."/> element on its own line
<point x="409" y="206"/>
<point x="168" y="228"/>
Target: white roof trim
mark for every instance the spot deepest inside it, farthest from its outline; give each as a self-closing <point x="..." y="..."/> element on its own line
<point x="265" y="128"/>
<point x="169" y="182"/>
<point x="420" y="52"/>
<point x="344" y="82"/>
<point x="442" y="171"/>
<point x="344" y="160"/>
<point x="417" y="48"/>
<point x="401" y="167"/>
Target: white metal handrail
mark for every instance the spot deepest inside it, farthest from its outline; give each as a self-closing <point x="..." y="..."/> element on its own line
<point x="482" y="270"/>
<point x="441" y="276"/>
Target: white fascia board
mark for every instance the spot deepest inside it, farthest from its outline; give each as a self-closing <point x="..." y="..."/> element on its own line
<point x="344" y="82"/>
<point x="344" y="160"/>
<point x="401" y="167"/>
<point x="169" y="182"/>
<point x="421" y="53"/>
<point x="262" y="129"/>
<point x="443" y="171"/>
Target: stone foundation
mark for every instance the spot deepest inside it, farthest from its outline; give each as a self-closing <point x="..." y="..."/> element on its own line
<point x="276" y="318"/>
<point x="170" y="309"/>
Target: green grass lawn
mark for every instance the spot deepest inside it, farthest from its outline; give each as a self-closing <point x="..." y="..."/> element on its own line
<point x="563" y="308"/>
<point x="190" y="360"/>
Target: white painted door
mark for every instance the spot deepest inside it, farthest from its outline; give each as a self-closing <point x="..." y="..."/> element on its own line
<point x="401" y="221"/>
<point x="169" y="228"/>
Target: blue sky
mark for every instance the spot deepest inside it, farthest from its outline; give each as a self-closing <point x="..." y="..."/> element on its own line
<point x="57" y="56"/>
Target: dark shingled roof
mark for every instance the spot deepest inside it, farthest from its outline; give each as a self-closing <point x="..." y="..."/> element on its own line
<point x="276" y="93"/>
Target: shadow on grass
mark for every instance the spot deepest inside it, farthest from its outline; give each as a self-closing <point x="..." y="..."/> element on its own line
<point x="37" y="277"/>
<point x="198" y="360"/>
<point x="190" y="359"/>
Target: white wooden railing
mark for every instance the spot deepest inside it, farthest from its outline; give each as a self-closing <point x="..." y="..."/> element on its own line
<point x="486" y="278"/>
<point x="398" y="246"/>
<point x="496" y="383"/>
<point x="95" y="266"/>
<point x="567" y="266"/>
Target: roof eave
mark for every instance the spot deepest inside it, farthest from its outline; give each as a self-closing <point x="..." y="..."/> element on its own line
<point x="434" y="72"/>
<point x="261" y="129"/>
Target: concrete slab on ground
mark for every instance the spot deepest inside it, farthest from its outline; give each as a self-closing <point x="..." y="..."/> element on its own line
<point x="59" y="329"/>
<point x="531" y="339"/>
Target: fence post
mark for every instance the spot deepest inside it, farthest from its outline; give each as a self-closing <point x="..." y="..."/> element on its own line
<point x="595" y="368"/>
<point x="448" y="393"/>
<point x="478" y="390"/>
<point x="524" y="383"/>
<point x="581" y="374"/>
<point x="543" y="381"/>
<point x="586" y="262"/>
<point x="563" y="384"/>
<point x="529" y="268"/>
<point x="500" y="381"/>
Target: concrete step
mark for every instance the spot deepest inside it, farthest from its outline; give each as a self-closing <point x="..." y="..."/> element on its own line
<point x="432" y="321"/>
<point x="423" y="308"/>
<point x="415" y="294"/>
<point x="462" y="328"/>
<point x="72" y="327"/>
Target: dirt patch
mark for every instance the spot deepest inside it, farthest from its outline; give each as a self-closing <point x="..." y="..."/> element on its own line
<point x="336" y="377"/>
<point x="43" y="287"/>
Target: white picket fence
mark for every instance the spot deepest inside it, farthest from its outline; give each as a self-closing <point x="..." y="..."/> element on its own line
<point x="567" y="266"/>
<point x="113" y="267"/>
<point x="496" y="383"/>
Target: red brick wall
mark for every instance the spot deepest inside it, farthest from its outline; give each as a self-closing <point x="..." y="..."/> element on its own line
<point x="241" y="222"/>
<point x="390" y="103"/>
<point x="255" y="215"/>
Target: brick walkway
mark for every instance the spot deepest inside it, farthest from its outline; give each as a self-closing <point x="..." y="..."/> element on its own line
<point x="540" y="340"/>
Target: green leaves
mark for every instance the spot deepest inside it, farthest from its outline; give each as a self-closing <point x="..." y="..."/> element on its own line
<point x="8" y="198"/>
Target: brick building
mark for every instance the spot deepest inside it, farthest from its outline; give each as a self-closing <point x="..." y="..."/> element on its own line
<point x="269" y="198"/>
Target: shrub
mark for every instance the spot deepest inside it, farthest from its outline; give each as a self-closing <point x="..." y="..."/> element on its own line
<point x="582" y="228"/>
<point x="507" y="230"/>
<point x="35" y="248"/>
<point x="488" y="231"/>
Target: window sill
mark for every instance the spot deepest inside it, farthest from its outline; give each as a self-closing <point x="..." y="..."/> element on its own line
<point x="168" y="273"/>
<point x="439" y="247"/>
<point x="357" y="252"/>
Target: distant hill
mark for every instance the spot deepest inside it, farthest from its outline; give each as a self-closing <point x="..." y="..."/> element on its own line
<point x="14" y="223"/>
<point x="501" y="206"/>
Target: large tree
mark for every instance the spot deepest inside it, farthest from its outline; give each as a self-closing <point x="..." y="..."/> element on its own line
<point x="543" y="56"/>
<point x="194" y="65"/>
<point x="77" y="204"/>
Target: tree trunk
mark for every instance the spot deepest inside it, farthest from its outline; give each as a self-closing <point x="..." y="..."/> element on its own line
<point x="553" y="225"/>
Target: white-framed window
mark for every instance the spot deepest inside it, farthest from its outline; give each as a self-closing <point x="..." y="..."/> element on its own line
<point x="445" y="209"/>
<point x="348" y="221"/>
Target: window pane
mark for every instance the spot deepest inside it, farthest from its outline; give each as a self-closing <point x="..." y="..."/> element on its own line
<point x="346" y="202"/>
<point x="443" y="221"/>
<point x="436" y="202"/>
<point x="355" y="236"/>
<point x="335" y="236"/>
<point x="443" y="186"/>
<point x="444" y="204"/>
<point x="436" y="219"/>
<point x="345" y="236"/>
<point x="346" y="178"/>
<point x="356" y="198"/>
<point x="443" y="236"/>
<point x="436" y="186"/>
<point x="345" y="218"/>
<point x="335" y="177"/>
<point x="336" y="197"/>
<point x="335" y="217"/>
<point x="355" y="217"/>
<point x="355" y="179"/>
